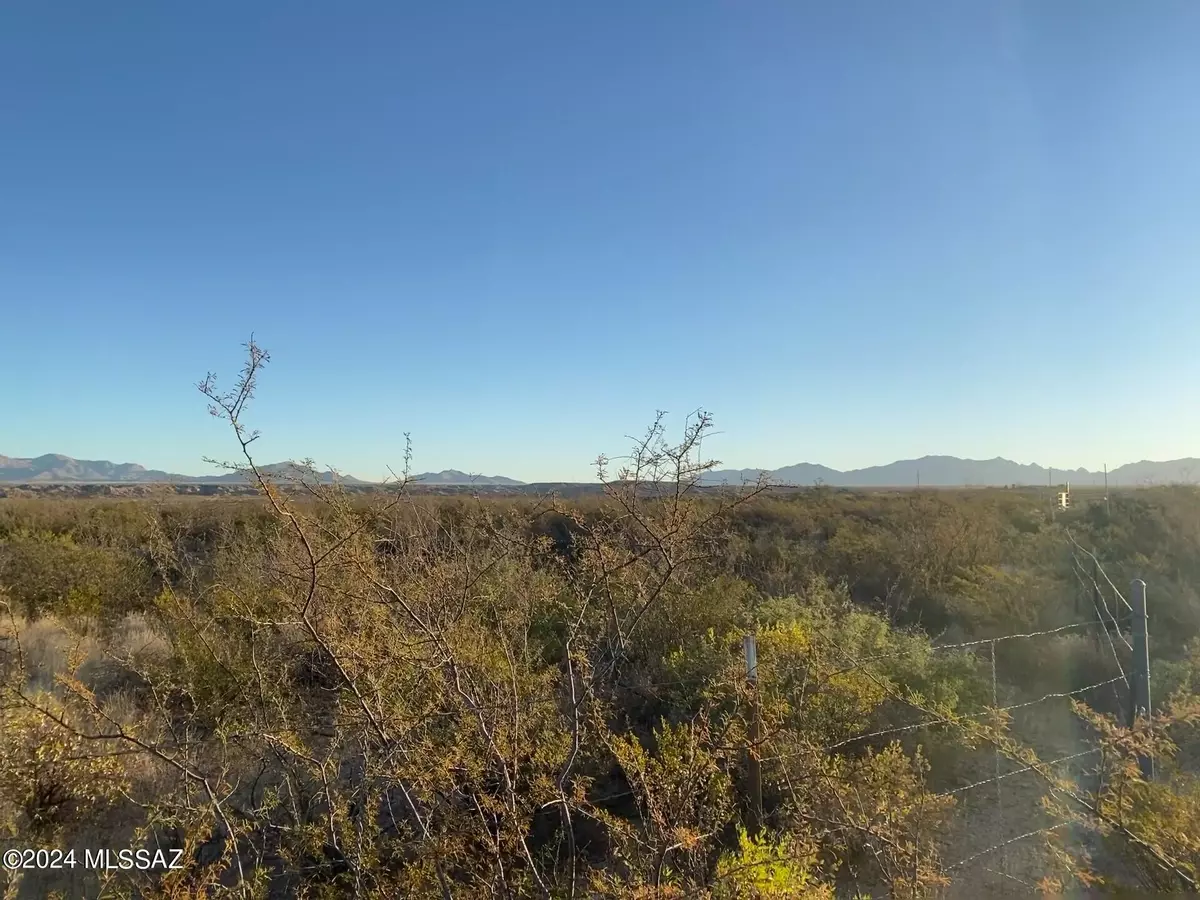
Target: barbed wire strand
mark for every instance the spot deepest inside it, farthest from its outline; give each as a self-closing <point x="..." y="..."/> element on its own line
<point x="999" y="774"/>
<point x="1013" y="637"/>
<point x="1020" y="837"/>
<point x="962" y="645"/>
<point x="861" y="662"/>
<point x="1107" y="634"/>
<point x="1081" y="574"/>
<point x="1020" y="881"/>
<point x="1107" y="616"/>
<point x="1096" y="595"/>
<point x="985" y="782"/>
<point x="1116" y="591"/>
<point x="1082" y="690"/>
<point x="874" y="734"/>
<point x="928" y="723"/>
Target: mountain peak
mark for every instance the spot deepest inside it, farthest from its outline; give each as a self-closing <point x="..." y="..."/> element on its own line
<point x="454" y="476"/>
<point x="55" y="468"/>
<point x="952" y="471"/>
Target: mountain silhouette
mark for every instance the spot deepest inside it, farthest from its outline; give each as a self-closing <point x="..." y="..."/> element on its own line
<point x="950" y="471"/>
<point x="54" y="468"/>
<point x="931" y="471"/>
<point x="454" y="476"/>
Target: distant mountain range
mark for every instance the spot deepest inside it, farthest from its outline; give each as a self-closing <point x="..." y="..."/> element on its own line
<point x="453" y="476"/>
<point x="54" y="468"/>
<point x="931" y="471"/>
<point x="950" y="471"/>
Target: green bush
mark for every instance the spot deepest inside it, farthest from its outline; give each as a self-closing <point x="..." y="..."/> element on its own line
<point x="44" y="572"/>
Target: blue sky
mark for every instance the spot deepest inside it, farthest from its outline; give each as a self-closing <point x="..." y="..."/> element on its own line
<point x="854" y="231"/>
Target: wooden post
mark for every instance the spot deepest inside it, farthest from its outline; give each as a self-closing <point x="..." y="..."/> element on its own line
<point x="1139" y="701"/>
<point x="753" y="763"/>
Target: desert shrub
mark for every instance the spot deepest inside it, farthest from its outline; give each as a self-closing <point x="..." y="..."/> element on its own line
<point x="49" y="779"/>
<point x="771" y="868"/>
<point x="44" y="573"/>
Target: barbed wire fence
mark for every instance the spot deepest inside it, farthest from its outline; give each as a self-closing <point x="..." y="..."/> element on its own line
<point x="1126" y="628"/>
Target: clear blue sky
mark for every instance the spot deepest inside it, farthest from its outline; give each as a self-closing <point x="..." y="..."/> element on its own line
<point x="854" y="231"/>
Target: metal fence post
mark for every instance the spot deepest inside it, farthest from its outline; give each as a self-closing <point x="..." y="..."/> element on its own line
<point x="753" y="763"/>
<point x="1139" y="704"/>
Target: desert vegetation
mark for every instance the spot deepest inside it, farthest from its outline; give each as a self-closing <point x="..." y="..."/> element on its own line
<point x="321" y="693"/>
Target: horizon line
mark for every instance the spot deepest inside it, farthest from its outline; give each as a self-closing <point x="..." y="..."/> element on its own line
<point x="717" y="467"/>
